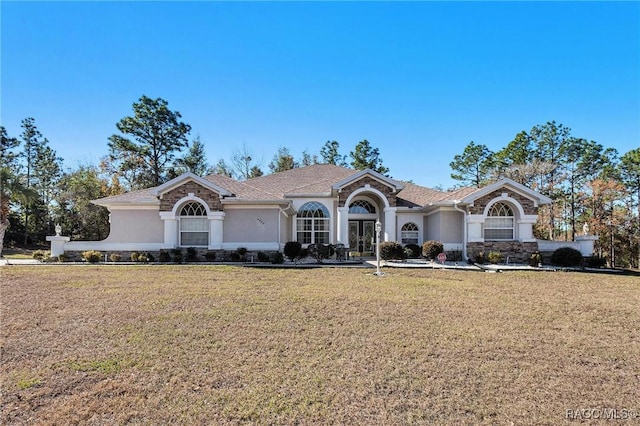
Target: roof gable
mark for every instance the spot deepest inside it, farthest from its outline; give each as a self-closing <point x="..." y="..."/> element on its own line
<point x="511" y="184"/>
<point x="186" y="177"/>
<point x="391" y="183"/>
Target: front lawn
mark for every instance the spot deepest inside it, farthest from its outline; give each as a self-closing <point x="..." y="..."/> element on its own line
<point x="198" y="344"/>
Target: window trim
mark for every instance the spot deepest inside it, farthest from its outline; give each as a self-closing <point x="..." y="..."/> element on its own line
<point x="316" y="217"/>
<point x="408" y="234"/>
<point x="193" y="212"/>
<point x="500" y="212"/>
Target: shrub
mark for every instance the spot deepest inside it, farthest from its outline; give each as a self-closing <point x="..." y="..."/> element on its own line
<point x="210" y="256"/>
<point x="242" y="251"/>
<point x="596" y="261"/>
<point x="566" y="256"/>
<point x="536" y="259"/>
<point x="263" y="257"/>
<point x="494" y="257"/>
<point x="412" y="251"/>
<point x="192" y="254"/>
<point x="149" y="257"/>
<point x="62" y="258"/>
<point x="479" y="257"/>
<point x="40" y="254"/>
<point x="277" y="258"/>
<point x="431" y="249"/>
<point x="91" y="256"/>
<point x="304" y="253"/>
<point x="391" y="250"/>
<point x="292" y="250"/>
<point x="177" y="255"/>
<point x="164" y="256"/>
<point x="115" y="257"/>
<point x="135" y="256"/>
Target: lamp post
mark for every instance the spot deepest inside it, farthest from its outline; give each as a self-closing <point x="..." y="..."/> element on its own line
<point x="378" y="229"/>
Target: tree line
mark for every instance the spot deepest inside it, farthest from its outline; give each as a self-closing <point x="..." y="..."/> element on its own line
<point x="587" y="182"/>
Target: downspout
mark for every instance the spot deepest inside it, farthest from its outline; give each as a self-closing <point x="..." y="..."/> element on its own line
<point x="464" y="228"/>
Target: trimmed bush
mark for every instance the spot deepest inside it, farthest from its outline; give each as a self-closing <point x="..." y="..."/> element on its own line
<point x="391" y="250"/>
<point x="494" y="257"/>
<point x="92" y="256"/>
<point x="62" y="258"/>
<point x="40" y="255"/>
<point x="177" y="255"/>
<point x="431" y="249"/>
<point x="596" y="261"/>
<point x="263" y="257"/>
<point x="115" y="257"/>
<point x="192" y="254"/>
<point x="135" y="256"/>
<point x="536" y="259"/>
<point x="412" y="251"/>
<point x="479" y="258"/>
<point x="242" y="251"/>
<point x="567" y="257"/>
<point x="292" y="250"/>
<point x="234" y="256"/>
<point x="210" y="256"/>
<point x="164" y="256"/>
<point x="149" y="257"/>
<point x="304" y="253"/>
<point x="277" y="258"/>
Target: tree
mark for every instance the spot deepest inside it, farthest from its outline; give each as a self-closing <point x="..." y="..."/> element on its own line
<point x="330" y="154"/>
<point x="156" y="136"/>
<point x="282" y="161"/>
<point x="221" y="168"/>
<point x="366" y="157"/>
<point x="474" y="166"/>
<point x="9" y="183"/>
<point x="244" y="164"/>
<point x="630" y="175"/>
<point x="78" y="216"/>
<point x="47" y="170"/>
<point x="194" y="161"/>
<point x="308" y="159"/>
<point x="31" y="140"/>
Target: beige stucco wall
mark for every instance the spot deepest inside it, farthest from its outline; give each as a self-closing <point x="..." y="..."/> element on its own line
<point x="445" y="226"/>
<point x="251" y="225"/>
<point x="136" y="226"/>
<point x="417" y="218"/>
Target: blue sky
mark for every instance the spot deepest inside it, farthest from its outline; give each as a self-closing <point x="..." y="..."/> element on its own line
<point x="419" y="80"/>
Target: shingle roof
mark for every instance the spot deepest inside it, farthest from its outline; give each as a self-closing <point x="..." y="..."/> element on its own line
<point x="314" y="179"/>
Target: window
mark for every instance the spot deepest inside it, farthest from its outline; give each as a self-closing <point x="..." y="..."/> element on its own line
<point x="313" y="224"/>
<point x="361" y="207"/>
<point x="409" y="233"/>
<point x="194" y="225"/>
<point x="499" y="225"/>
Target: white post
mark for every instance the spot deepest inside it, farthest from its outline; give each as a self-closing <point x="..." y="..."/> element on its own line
<point x="378" y="229"/>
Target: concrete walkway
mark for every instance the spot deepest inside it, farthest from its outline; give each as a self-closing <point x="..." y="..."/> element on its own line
<point x="5" y="261"/>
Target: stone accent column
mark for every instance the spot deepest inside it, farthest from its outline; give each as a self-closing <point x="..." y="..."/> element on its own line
<point x="216" y="230"/>
<point x="389" y="224"/>
<point x="343" y="226"/>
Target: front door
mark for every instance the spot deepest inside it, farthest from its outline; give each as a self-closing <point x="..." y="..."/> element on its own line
<point x="361" y="235"/>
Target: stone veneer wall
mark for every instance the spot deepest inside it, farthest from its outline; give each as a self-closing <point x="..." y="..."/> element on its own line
<point x="481" y="203"/>
<point x="373" y="183"/>
<point x="516" y="251"/>
<point x="169" y="199"/>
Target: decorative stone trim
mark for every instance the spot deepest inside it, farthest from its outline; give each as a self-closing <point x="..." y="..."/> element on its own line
<point x="388" y="192"/>
<point x="169" y="199"/>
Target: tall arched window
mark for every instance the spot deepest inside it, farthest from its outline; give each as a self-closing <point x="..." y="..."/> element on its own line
<point x="313" y="224"/>
<point x="361" y="207"/>
<point x="409" y="233"/>
<point x="194" y="225"/>
<point x="499" y="225"/>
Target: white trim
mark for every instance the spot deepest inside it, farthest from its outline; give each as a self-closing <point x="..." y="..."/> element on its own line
<point x="536" y="197"/>
<point x="369" y="189"/>
<point x="184" y="200"/>
<point x="184" y="178"/>
<point x="111" y="207"/>
<point x="396" y="185"/>
<point x="506" y="199"/>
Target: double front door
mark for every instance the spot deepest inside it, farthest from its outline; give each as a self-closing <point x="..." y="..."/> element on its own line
<point x="362" y="235"/>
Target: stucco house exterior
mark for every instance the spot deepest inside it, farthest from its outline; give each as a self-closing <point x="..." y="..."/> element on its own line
<point x="324" y="204"/>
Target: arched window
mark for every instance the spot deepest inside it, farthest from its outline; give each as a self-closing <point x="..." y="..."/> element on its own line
<point x="361" y="207"/>
<point x="194" y="225"/>
<point x="313" y="224"/>
<point x="499" y="225"/>
<point x="409" y="233"/>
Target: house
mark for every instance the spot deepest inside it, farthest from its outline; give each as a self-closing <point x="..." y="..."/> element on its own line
<point x="322" y="203"/>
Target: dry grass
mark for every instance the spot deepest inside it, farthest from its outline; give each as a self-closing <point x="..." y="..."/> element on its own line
<point x="216" y="344"/>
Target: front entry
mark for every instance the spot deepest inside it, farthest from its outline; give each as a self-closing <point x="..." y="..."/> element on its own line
<point x="362" y="235"/>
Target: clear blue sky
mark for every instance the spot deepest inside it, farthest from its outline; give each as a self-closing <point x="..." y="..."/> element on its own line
<point x="418" y="80"/>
